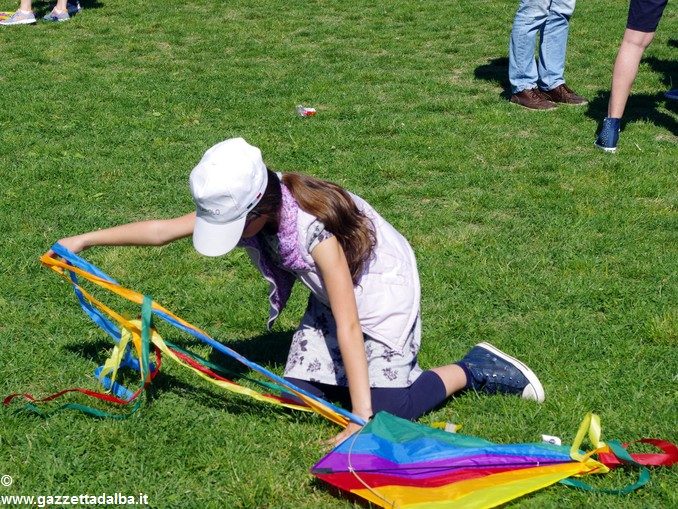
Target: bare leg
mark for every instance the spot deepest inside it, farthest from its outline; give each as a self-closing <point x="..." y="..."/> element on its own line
<point x="626" y="68"/>
<point x="26" y="5"/>
<point x="60" y="6"/>
<point x="453" y="377"/>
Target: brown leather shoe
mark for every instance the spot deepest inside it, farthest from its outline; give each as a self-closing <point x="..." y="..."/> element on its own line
<point x="534" y="99"/>
<point x="564" y="94"/>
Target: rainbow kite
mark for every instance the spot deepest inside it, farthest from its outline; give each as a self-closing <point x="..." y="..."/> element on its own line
<point x="391" y="462"/>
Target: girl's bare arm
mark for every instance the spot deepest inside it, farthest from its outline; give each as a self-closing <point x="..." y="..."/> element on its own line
<point x="331" y="261"/>
<point x="155" y="232"/>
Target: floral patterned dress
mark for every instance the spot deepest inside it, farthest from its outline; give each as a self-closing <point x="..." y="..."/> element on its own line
<point x="314" y="353"/>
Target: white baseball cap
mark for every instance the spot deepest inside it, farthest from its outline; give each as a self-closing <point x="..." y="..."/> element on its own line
<point x="226" y="184"/>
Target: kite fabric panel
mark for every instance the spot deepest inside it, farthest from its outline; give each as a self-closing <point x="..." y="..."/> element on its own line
<point x="393" y="462"/>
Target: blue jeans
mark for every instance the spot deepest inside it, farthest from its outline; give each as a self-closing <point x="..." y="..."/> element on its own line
<point x="551" y="19"/>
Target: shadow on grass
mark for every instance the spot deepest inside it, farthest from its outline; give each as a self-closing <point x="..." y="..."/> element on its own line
<point x="214" y="398"/>
<point x="270" y="348"/>
<point x="668" y="68"/>
<point x="43" y="7"/>
<point x="495" y="71"/>
<point x="47" y="5"/>
<point x="93" y="351"/>
<point x="91" y="4"/>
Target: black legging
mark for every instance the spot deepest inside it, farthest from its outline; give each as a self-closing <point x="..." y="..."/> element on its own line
<point x="426" y="393"/>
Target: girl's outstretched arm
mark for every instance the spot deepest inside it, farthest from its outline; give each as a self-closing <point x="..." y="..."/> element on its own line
<point x="331" y="261"/>
<point x="155" y="232"/>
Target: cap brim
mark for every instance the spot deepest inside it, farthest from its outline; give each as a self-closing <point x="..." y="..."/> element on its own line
<point x="211" y="239"/>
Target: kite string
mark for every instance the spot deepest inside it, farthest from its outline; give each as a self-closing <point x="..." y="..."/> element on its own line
<point x="353" y="471"/>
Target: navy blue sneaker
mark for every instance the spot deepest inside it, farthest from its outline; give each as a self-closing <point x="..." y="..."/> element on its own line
<point x="73" y="7"/>
<point x="492" y="371"/>
<point x="672" y="94"/>
<point x="609" y="135"/>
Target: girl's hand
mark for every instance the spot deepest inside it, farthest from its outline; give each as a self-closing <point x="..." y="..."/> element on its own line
<point x="348" y="431"/>
<point x="74" y="244"/>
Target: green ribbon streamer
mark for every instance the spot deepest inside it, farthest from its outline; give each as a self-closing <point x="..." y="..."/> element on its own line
<point x="621" y="453"/>
<point x="31" y="408"/>
<point x="146" y="323"/>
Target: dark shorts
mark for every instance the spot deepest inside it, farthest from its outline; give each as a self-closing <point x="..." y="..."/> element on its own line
<point x="644" y="15"/>
<point x="425" y="394"/>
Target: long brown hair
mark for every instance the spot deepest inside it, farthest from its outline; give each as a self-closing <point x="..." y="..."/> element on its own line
<point x="333" y="206"/>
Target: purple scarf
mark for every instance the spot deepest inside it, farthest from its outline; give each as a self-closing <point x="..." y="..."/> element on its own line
<point x="281" y="279"/>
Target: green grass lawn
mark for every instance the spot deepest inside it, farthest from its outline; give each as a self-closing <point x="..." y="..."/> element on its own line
<point x="526" y="236"/>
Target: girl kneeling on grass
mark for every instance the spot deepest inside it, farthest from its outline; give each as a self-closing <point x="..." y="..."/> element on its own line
<point x="360" y="335"/>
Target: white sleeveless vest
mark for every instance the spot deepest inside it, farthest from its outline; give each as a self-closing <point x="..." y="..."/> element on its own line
<point x="388" y="292"/>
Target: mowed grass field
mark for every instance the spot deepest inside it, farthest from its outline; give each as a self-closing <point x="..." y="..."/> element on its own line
<point x="526" y="236"/>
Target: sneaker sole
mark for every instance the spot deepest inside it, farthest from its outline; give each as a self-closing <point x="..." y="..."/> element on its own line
<point x="537" y="391"/>
<point x="611" y="150"/>
<point x="22" y="22"/>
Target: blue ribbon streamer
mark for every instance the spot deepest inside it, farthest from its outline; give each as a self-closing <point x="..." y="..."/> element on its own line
<point x="113" y="330"/>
